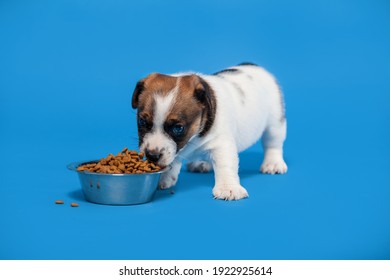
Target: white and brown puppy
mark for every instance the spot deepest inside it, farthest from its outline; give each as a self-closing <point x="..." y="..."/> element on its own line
<point x="208" y="120"/>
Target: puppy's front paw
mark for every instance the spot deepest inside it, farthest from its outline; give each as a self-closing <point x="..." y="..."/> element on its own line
<point x="229" y="192"/>
<point x="273" y="166"/>
<point x="199" y="166"/>
<point x="167" y="181"/>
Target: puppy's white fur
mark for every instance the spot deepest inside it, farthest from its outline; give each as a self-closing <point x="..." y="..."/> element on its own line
<point x="154" y="140"/>
<point x="249" y="105"/>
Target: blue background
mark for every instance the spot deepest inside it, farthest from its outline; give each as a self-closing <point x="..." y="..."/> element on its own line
<point x="67" y="72"/>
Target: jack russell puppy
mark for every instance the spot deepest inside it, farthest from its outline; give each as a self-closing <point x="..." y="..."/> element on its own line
<point x="207" y="120"/>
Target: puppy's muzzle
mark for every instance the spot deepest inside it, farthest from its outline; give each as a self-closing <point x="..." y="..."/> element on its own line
<point x="153" y="155"/>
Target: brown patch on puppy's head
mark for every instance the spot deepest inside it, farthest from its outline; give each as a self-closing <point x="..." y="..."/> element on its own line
<point x="186" y="112"/>
<point x="194" y="108"/>
<point x="154" y="83"/>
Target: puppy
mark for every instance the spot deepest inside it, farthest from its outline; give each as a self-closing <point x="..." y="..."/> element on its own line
<point x="207" y="120"/>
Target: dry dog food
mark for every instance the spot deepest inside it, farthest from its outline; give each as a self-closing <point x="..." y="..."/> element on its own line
<point x="74" y="204"/>
<point x="125" y="162"/>
<point x="59" y="202"/>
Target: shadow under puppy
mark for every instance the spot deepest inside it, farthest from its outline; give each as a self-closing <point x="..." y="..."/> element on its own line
<point x="208" y="120"/>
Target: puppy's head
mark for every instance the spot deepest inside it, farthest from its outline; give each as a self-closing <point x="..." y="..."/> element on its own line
<point x="171" y="111"/>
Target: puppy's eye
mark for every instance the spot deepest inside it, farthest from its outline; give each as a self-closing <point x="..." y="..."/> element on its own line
<point x="177" y="129"/>
<point x="141" y="122"/>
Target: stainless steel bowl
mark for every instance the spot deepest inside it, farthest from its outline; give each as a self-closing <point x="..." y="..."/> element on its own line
<point x="117" y="189"/>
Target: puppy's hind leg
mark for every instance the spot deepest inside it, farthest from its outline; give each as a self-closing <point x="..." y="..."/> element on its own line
<point x="199" y="166"/>
<point x="199" y="163"/>
<point x="272" y="141"/>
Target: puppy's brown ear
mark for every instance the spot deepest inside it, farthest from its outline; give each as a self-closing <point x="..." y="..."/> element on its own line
<point x="205" y="95"/>
<point x="137" y="91"/>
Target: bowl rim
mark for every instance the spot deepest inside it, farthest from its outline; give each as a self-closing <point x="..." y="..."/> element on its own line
<point x="74" y="165"/>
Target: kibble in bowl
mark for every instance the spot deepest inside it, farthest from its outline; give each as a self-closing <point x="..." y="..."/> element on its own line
<point x="125" y="162"/>
<point x="124" y="179"/>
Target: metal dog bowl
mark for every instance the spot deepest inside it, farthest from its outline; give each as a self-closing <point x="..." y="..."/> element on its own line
<point x="117" y="189"/>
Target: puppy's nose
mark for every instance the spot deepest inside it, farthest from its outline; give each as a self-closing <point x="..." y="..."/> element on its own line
<point x="152" y="155"/>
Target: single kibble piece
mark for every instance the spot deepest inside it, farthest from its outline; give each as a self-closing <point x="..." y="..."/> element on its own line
<point x="125" y="162"/>
<point x="59" y="202"/>
<point x="74" y="204"/>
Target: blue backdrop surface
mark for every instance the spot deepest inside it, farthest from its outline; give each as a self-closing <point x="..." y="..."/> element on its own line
<point x="67" y="71"/>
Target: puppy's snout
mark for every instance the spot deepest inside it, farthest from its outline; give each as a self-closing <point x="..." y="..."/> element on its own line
<point x="153" y="155"/>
